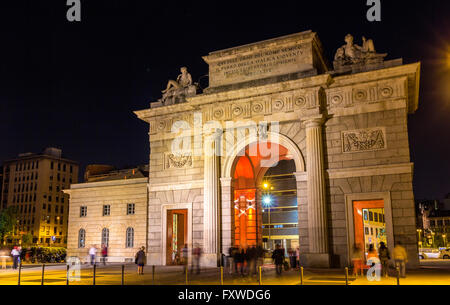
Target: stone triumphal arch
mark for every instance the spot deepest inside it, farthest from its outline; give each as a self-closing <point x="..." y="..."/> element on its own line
<point x="325" y="147"/>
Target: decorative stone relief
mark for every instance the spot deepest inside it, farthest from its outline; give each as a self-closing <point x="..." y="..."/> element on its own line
<point x="177" y="161"/>
<point x="364" y="140"/>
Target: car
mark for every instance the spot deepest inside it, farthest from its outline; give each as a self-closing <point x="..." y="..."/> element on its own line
<point x="426" y="253"/>
<point x="445" y="254"/>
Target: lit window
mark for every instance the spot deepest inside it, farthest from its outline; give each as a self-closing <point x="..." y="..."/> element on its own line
<point x="105" y="237"/>
<point x="130" y="238"/>
<point x="106" y="210"/>
<point x="130" y="209"/>
<point x="81" y="238"/>
<point x="83" y="211"/>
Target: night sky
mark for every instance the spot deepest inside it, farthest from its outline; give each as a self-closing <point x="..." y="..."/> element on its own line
<point x="75" y="85"/>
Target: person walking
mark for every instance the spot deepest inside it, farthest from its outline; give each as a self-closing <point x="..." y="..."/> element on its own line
<point x="251" y="256"/>
<point x="196" y="255"/>
<point x="140" y="260"/>
<point x="383" y="254"/>
<point x="92" y="254"/>
<point x="278" y="258"/>
<point x="259" y="256"/>
<point x="16" y="255"/>
<point x="104" y="254"/>
<point x="401" y="258"/>
<point x="297" y="257"/>
<point x="372" y="253"/>
<point x="184" y="258"/>
<point x="357" y="260"/>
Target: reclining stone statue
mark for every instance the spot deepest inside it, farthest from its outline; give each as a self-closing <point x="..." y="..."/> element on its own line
<point x="177" y="90"/>
<point x="353" y="54"/>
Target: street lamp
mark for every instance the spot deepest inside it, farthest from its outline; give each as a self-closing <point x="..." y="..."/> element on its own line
<point x="420" y="240"/>
<point x="267" y="202"/>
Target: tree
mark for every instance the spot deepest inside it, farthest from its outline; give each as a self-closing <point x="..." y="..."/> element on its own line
<point x="27" y="240"/>
<point x="7" y="222"/>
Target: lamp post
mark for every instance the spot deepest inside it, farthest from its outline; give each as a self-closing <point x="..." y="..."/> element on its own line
<point x="267" y="203"/>
<point x="432" y="237"/>
<point x="420" y="240"/>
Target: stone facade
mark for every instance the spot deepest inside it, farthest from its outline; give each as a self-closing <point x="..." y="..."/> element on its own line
<point x="347" y="134"/>
<point x="117" y="194"/>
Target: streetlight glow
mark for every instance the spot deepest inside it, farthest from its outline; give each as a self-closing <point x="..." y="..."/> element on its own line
<point x="267" y="200"/>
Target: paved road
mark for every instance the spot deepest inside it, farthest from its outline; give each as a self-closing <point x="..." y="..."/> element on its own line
<point x="432" y="273"/>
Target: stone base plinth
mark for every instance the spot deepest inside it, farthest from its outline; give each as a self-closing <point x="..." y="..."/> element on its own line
<point x="154" y="259"/>
<point x="315" y="260"/>
<point x="209" y="260"/>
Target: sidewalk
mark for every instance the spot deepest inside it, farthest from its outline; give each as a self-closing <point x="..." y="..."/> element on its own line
<point x="173" y="275"/>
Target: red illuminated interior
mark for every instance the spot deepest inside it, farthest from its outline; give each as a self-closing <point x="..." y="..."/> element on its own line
<point x="247" y="169"/>
<point x="358" y="207"/>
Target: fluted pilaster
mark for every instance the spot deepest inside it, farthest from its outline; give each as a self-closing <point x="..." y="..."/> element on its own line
<point x="317" y="213"/>
<point x="211" y="202"/>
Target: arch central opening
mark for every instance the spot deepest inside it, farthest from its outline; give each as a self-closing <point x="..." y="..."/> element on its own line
<point x="265" y="198"/>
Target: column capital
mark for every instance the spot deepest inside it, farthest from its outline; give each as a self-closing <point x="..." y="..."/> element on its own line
<point x="225" y="181"/>
<point x="315" y="121"/>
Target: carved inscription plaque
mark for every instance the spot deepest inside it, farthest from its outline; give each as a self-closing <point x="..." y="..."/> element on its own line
<point x="269" y="58"/>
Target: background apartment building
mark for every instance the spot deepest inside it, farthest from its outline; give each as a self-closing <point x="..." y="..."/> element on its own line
<point x="33" y="184"/>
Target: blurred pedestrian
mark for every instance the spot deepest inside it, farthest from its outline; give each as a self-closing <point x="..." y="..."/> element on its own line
<point x="357" y="260"/>
<point x="104" y="254"/>
<point x="19" y="248"/>
<point x="259" y="256"/>
<point x="239" y="260"/>
<point x="184" y="257"/>
<point x="92" y="254"/>
<point x="16" y="255"/>
<point x="372" y="253"/>
<point x="140" y="260"/>
<point x="297" y="257"/>
<point x="278" y="258"/>
<point x="196" y="256"/>
<point x="251" y="258"/>
<point x="384" y="256"/>
<point x="292" y="258"/>
<point x="234" y="258"/>
<point x="401" y="258"/>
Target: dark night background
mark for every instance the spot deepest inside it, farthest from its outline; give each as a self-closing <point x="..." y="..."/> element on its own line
<point x="75" y="85"/>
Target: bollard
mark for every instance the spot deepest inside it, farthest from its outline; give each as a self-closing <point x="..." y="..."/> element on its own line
<point x="186" y="274"/>
<point x="67" y="275"/>
<point x="260" y="275"/>
<point x="153" y="275"/>
<point x="43" y="272"/>
<point x="398" y="275"/>
<point x="221" y="275"/>
<point x="95" y="269"/>
<point x="301" y="276"/>
<point x="123" y="275"/>
<point x="346" y="276"/>
<point x="20" y="272"/>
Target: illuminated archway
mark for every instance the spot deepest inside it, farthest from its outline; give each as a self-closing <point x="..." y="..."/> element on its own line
<point x="247" y="173"/>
